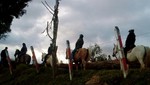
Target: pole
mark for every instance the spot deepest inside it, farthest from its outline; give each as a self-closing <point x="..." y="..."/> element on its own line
<point x="68" y="53"/>
<point x="34" y="59"/>
<point x="121" y="52"/>
<point x="9" y="61"/>
<point x="55" y="29"/>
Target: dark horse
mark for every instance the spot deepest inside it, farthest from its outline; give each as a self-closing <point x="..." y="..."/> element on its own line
<point x="23" y="58"/>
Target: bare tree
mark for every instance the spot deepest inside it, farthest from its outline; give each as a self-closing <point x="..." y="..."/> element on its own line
<point x="54" y="22"/>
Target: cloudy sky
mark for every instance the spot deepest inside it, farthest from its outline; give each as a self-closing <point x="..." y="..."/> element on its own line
<point x="95" y="19"/>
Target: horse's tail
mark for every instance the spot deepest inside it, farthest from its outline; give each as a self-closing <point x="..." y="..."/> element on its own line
<point x="27" y="59"/>
<point x="147" y="56"/>
<point x="145" y="53"/>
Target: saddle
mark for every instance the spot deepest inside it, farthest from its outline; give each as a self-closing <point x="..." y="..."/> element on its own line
<point x="129" y="51"/>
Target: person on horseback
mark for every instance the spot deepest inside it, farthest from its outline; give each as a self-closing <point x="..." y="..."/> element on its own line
<point x="3" y="57"/>
<point x="130" y="41"/>
<point x="23" y="50"/>
<point x="49" y="53"/>
<point x="78" y="45"/>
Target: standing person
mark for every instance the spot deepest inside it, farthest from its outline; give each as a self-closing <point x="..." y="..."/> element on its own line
<point x="3" y="57"/>
<point x="130" y="41"/>
<point x="78" y="45"/>
<point x="49" y="53"/>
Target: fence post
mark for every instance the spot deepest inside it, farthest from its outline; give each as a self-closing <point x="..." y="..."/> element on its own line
<point x="34" y="59"/>
<point x="122" y="59"/>
<point x="68" y="54"/>
<point x="9" y="61"/>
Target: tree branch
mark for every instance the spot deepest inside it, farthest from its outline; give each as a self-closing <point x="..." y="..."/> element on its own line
<point x="47" y="7"/>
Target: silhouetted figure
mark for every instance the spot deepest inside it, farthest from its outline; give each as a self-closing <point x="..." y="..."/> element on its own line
<point x="4" y="57"/>
<point x="23" y="51"/>
<point x="130" y="41"/>
<point x="78" y="45"/>
<point x="49" y="53"/>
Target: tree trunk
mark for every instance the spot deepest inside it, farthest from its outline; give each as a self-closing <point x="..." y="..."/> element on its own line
<point x="54" y="53"/>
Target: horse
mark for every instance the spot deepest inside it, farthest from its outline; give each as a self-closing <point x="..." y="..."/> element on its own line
<point x="22" y="59"/>
<point x="81" y="57"/>
<point x="139" y="53"/>
<point x="48" y="60"/>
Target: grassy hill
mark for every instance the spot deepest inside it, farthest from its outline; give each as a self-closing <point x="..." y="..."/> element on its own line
<point x="27" y="75"/>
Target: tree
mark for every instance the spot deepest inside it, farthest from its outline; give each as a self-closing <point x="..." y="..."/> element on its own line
<point x="54" y="26"/>
<point x="97" y="53"/>
<point x="8" y="10"/>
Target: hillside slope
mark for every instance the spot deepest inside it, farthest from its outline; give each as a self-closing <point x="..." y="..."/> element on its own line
<point x="27" y="75"/>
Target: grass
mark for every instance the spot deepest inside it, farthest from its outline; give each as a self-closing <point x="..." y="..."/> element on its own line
<point x="27" y="75"/>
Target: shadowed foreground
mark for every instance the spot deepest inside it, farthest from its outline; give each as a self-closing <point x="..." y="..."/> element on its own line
<point x="26" y="75"/>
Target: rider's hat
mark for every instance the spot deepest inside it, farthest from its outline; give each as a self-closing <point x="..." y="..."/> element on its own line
<point x="131" y="30"/>
<point x="81" y="35"/>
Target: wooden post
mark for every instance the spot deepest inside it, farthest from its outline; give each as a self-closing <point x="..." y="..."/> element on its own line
<point x="121" y="52"/>
<point x="9" y="61"/>
<point x="68" y="54"/>
<point x="34" y="59"/>
<point x="55" y="22"/>
<point x="55" y="28"/>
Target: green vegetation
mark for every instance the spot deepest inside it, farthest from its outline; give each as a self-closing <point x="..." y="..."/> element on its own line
<point x="10" y="9"/>
<point x="27" y="75"/>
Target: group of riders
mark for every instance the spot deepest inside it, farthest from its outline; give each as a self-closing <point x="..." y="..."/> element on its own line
<point x="129" y="44"/>
<point x="4" y="55"/>
<point x="78" y="45"/>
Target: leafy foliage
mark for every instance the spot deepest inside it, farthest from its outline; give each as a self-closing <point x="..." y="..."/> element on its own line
<point x="8" y="10"/>
<point x="97" y="53"/>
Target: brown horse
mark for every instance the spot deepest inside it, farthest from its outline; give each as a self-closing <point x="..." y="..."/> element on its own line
<point x="81" y="57"/>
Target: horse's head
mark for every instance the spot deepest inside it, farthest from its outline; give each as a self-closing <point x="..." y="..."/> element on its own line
<point x="43" y="56"/>
<point x="17" y="52"/>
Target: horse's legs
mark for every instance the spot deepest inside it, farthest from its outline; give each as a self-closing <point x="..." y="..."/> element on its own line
<point x="142" y="64"/>
<point x="45" y="64"/>
<point x="76" y="64"/>
<point x="84" y="64"/>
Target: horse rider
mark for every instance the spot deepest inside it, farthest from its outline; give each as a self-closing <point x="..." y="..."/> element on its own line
<point x="4" y="56"/>
<point x="78" y="45"/>
<point x="130" y="41"/>
<point x="23" y="50"/>
<point x="49" y="53"/>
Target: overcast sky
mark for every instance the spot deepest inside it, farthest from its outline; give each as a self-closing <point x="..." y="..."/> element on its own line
<point x="95" y="19"/>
